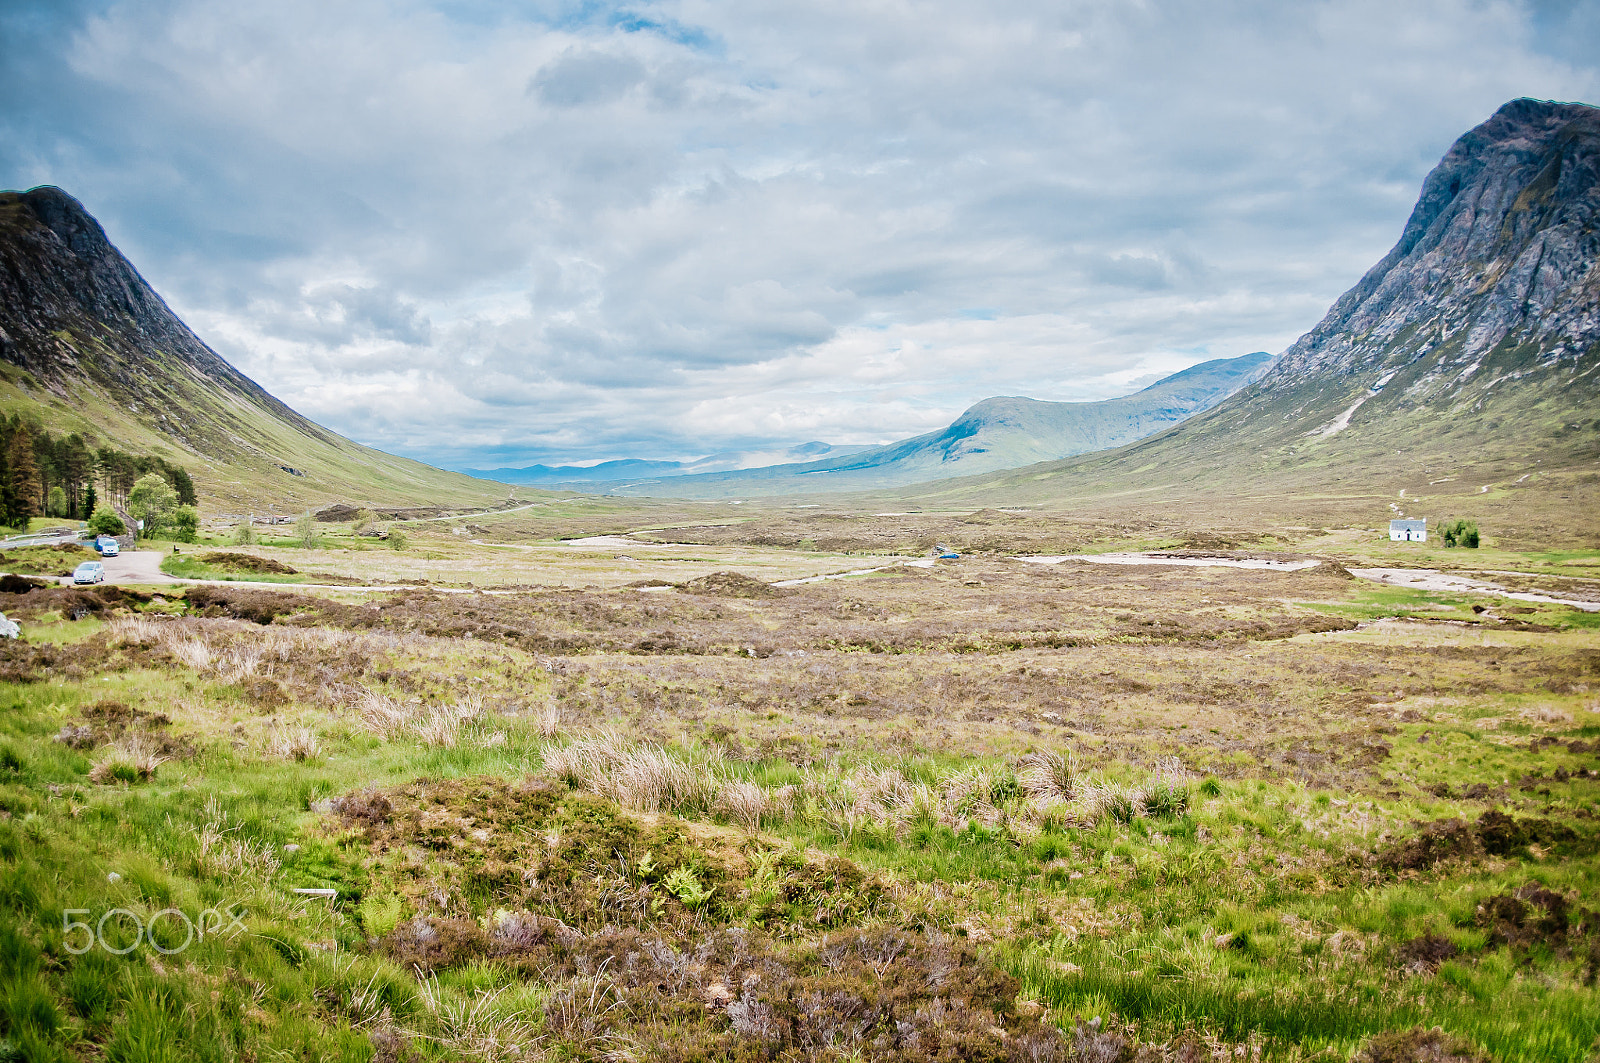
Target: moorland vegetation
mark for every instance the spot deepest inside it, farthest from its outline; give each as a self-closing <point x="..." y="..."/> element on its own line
<point x="985" y="809"/>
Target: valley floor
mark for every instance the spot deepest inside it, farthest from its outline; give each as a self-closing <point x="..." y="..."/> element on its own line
<point x="656" y="807"/>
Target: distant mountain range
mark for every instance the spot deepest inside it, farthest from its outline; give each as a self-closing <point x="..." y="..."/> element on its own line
<point x="998" y="433"/>
<point x="633" y="468"/>
<point x="1467" y="361"/>
<point x="86" y="346"/>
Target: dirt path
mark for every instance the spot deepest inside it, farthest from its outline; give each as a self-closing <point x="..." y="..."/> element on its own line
<point x="916" y="562"/>
<point x="486" y="512"/>
<point x="144" y="567"/>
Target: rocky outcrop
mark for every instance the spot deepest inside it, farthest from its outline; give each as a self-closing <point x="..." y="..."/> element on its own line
<point x="1500" y="254"/>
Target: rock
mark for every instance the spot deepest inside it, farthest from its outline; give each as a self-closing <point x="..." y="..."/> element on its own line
<point x="76" y="737"/>
<point x="9" y="629"/>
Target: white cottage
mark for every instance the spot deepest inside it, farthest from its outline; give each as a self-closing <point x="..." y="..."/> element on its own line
<point x="1408" y="531"/>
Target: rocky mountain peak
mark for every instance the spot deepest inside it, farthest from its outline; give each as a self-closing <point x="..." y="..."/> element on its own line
<point x="65" y="217"/>
<point x="1499" y="252"/>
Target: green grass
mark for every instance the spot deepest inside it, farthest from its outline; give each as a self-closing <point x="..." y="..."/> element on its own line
<point x="1381" y="602"/>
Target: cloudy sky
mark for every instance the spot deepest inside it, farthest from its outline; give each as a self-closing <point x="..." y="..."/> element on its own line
<point x="488" y="234"/>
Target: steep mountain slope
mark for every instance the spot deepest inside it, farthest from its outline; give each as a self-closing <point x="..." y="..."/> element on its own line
<point x="997" y="433"/>
<point x="1468" y="358"/>
<point x="87" y="346"/>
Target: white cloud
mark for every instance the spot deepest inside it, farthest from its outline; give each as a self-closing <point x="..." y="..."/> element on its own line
<point x="481" y="236"/>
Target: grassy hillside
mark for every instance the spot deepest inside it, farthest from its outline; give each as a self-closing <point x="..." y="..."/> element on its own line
<point x="86" y="346"/>
<point x="244" y="470"/>
<point x="1529" y="455"/>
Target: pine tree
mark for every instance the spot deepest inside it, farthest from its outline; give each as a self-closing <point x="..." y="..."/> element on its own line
<point x="183" y="483"/>
<point x="27" y="487"/>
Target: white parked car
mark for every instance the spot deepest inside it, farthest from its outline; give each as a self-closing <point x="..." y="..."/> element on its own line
<point x="89" y="572"/>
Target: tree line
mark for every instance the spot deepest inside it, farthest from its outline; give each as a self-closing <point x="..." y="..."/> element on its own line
<point x="44" y="475"/>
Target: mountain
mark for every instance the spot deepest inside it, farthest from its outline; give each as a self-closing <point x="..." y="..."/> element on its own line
<point x="87" y="346"/>
<point x="633" y="468"/>
<point x="997" y="433"/>
<point x="1466" y="362"/>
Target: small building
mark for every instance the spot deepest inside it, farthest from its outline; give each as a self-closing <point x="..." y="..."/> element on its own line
<point x="1408" y="531"/>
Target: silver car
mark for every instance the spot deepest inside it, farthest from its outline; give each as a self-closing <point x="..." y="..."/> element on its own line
<point x="89" y="572"/>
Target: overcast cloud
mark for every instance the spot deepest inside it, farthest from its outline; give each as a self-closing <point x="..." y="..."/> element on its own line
<point x="487" y="233"/>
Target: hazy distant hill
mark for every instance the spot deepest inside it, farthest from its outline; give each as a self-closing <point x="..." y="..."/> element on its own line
<point x="87" y="346"/>
<point x="1468" y="358"/>
<point x="997" y="433"/>
<point x="632" y="468"/>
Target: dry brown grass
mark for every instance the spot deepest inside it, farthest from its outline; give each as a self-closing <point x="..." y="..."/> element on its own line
<point x="640" y="777"/>
<point x="293" y="743"/>
<point x="745" y="803"/>
<point x="431" y="724"/>
<point x="133" y="757"/>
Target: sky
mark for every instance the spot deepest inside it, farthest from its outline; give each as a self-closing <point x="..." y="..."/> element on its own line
<point x="490" y="234"/>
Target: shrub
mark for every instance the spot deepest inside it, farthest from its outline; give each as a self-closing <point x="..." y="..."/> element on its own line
<point x="380" y="913"/>
<point x="106" y="522"/>
<point x="1460" y="533"/>
<point x="397" y="539"/>
<point x="297" y="744"/>
<point x="1123" y="806"/>
<point x="743" y="802"/>
<point x="1167" y="795"/>
<point x="305" y="532"/>
<point x="642" y="777"/>
<point x="185" y="524"/>
<point x="684" y="885"/>
<point x="1166" y="799"/>
<point x="133" y="758"/>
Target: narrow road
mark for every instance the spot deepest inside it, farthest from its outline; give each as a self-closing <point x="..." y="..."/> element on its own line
<point x="136" y="566"/>
<point x="144" y="567"/>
